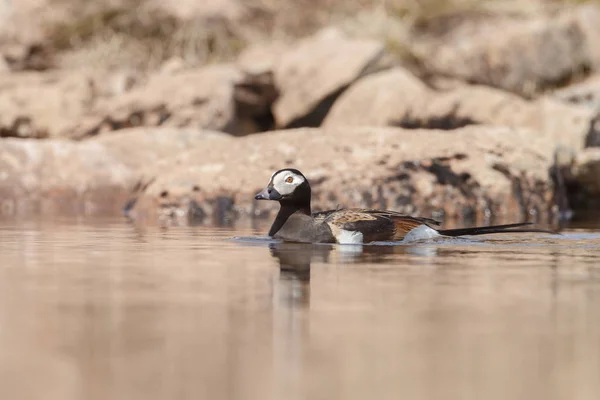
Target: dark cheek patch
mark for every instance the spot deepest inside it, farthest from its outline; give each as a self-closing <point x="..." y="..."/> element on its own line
<point x="274" y="194"/>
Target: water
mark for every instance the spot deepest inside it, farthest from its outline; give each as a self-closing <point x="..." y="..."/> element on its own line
<point x="108" y="310"/>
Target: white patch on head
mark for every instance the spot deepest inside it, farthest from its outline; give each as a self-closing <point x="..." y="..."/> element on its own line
<point x="285" y="182"/>
<point x="421" y="232"/>
<point x="349" y="237"/>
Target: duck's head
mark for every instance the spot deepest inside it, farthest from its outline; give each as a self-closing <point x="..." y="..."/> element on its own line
<point x="286" y="186"/>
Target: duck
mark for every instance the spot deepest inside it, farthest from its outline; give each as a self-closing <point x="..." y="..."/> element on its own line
<point x="295" y="221"/>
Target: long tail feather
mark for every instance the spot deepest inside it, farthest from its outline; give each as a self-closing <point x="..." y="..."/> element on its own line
<point x="484" y="230"/>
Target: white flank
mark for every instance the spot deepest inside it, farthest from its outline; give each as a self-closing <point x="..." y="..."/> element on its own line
<point x="421" y="232"/>
<point x="349" y="237"/>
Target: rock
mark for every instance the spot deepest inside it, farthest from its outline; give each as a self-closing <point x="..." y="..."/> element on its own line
<point x="586" y="17"/>
<point x="189" y="10"/>
<point x="58" y="176"/>
<point x="504" y="172"/>
<point x="3" y="65"/>
<point x="555" y="122"/>
<point x="260" y="58"/>
<point x="593" y="137"/>
<point x="218" y="97"/>
<point x="22" y="40"/>
<point x="254" y="97"/>
<point x="587" y="171"/>
<point x="189" y="174"/>
<point x="79" y="105"/>
<point x="257" y="93"/>
<point x="582" y="182"/>
<point x="199" y="98"/>
<point x="39" y="105"/>
<point x="380" y="99"/>
<point x="562" y="177"/>
<point x="172" y="65"/>
<point x="524" y="56"/>
<point x="586" y="93"/>
<point x="92" y="177"/>
<point x="148" y="147"/>
<point x="113" y="83"/>
<point x="316" y="71"/>
<point x="38" y="56"/>
<point x="396" y="97"/>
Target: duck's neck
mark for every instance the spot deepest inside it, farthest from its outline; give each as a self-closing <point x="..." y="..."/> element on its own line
<point x="287" y="210"/>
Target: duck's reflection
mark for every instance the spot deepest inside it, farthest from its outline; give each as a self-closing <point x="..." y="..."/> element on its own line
<point x="294" y="265"/>
<point x="295" y="261"/>
<point x="295" y="258"/>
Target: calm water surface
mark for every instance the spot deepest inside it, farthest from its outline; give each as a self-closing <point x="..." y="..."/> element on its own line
<point x="107" y="310"/>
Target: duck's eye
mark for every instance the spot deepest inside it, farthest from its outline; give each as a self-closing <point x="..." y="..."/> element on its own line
<point x="289" y="179"/>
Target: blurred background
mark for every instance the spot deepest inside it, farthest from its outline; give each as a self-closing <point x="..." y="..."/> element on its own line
<point x="151" y="108"/>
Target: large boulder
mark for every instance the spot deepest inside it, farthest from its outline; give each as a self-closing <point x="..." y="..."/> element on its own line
<point x="468" y="172"/>
<point x="147" y="148"/>
<point x="522" y="55"/>
<point x="210" y="176"/>
<point x="82" y="104"/>
<point x="585" y="94"/>
<point x="39" y="105"/>
<point x="316" y="70"/>
<point x="58" y="176"/>
<point x="396" y="97"/>
<point x="380" y="99"/>
<point x="92" y="177"/>
<point x="198" y="98"/>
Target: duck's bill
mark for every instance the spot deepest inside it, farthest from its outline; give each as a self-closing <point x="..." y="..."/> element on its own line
<point x="268" y="194"/>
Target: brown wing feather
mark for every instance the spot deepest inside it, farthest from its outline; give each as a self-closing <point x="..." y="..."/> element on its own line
<point x="322" y="215"/>
<point x="372" y="226"/>
<point x="404" y="225"/>
<point x="343" y="217"/>
<point x="397" y="215"/>
<point x="375" y="225"/>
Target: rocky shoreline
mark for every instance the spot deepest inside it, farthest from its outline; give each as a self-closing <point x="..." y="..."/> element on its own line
<point x="489" y="126"/>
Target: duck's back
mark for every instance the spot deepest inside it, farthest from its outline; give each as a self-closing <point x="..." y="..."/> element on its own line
<point x="364" y="226"/>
